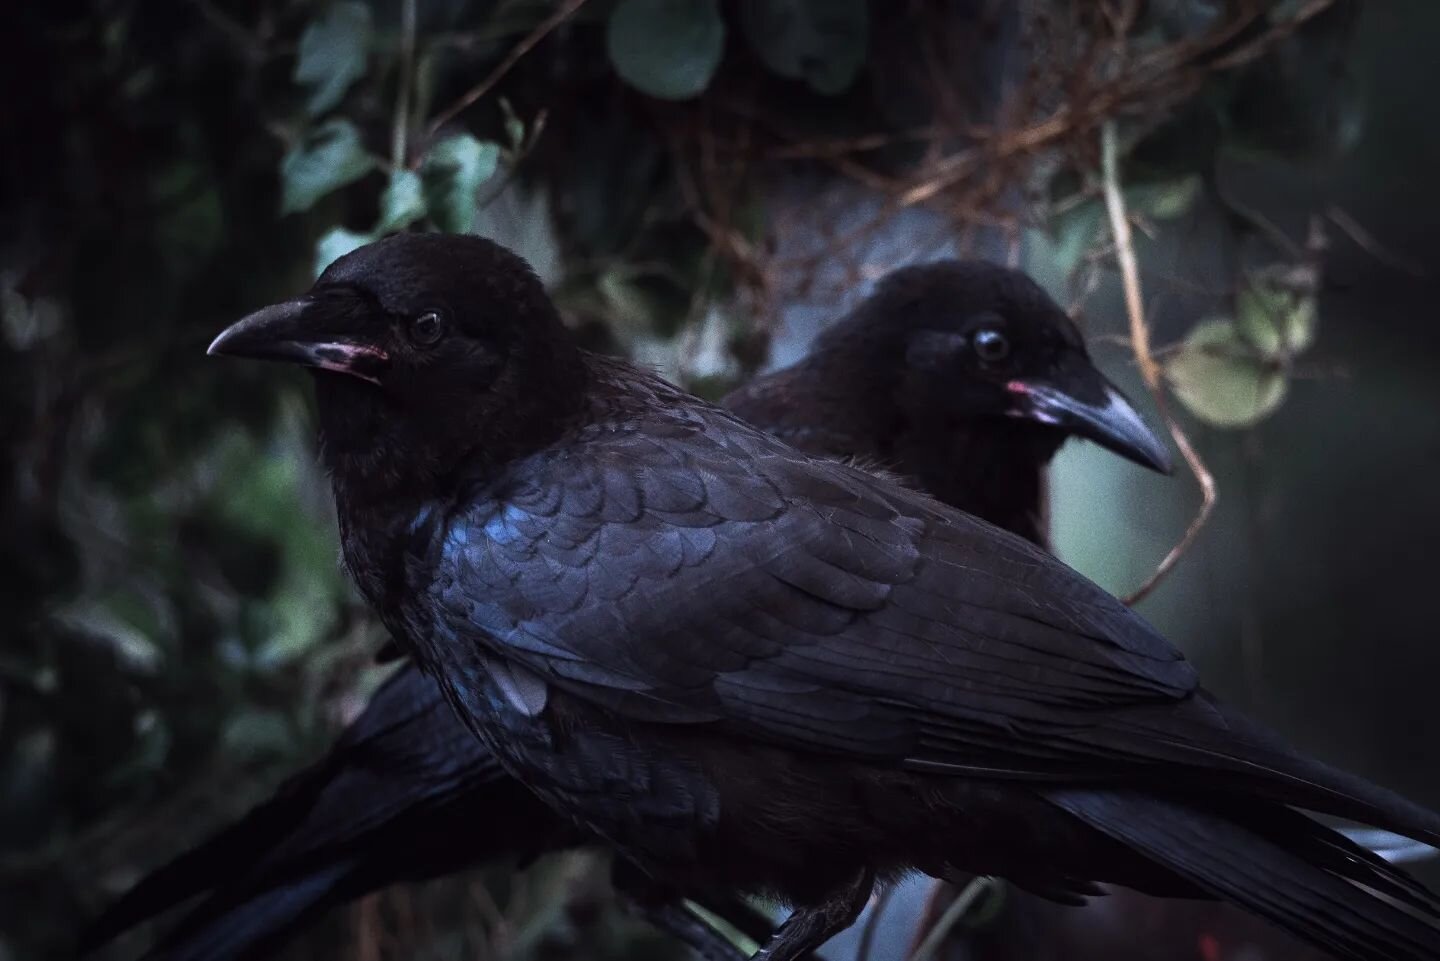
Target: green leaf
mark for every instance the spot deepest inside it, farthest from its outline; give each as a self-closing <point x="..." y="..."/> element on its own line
<point x="133" y="625"/>
<point x="1164" y="201"/>
<point x="1075" y="232"/>
<point x="630" y="311"/>
<point x="668" y="49"/>
<point x="336" y="243"/>
<point x="453" y="171"/>
<point x="1040" y="259"/>
<point x="258" y="733"/>
<point x="191" y="219"/>
<point x="403" y="202"/>
<point x="330" y="157"/>
<point x="262" y="493"/>
<point x="1085" y="225"/>
<point x="1219" y="377"/>
<point x="822" y="42"/>
<point x="153" y="745"/>
<point x="1275" y="312"/>
<point x="333" y="52"/>
<point x="514" y="126"/>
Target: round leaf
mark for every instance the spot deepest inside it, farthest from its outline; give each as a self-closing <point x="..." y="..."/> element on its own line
<point x="336" y="244"/>
<point x="1276" y="317"/>
<point x="330" y="157"/>
<point x="1166" y="200"/>
<point x="403" y="202"/>
<point x="819" y="41"/>
<point x="668" y="49"/>
<point x="333" y="50"/>
<point x="1221" y="380"/>
<point x="258" y="733"/>
<point x="1075" y="231"/>
<point x="453" y="171"/>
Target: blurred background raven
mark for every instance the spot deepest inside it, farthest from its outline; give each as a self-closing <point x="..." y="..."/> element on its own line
<point x="721" y="176"/>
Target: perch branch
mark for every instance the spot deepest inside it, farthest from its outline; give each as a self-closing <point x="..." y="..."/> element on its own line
<point x="958" y="908"/>
<point x="867" y="934"/>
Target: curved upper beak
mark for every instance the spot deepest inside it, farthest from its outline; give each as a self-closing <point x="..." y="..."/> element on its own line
<point x="294" y="331"/>
<point x="1079" y="400"/>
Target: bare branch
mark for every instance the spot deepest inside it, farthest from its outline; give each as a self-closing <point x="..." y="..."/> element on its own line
<point x="1125" y="256"/>
<point x="878" y="904"/>
<point x="958" y="908"/>
<point x="1144" y="359"/>
<point x="1366" y="241"/>
<point x="564" y="12"/>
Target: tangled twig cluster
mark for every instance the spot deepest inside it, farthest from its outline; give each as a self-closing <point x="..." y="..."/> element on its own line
<point x="1086" y="66"/>
<point x="1089" y="70"/>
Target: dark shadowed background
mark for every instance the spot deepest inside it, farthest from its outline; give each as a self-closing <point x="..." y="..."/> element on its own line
<point x="702" y="183"/>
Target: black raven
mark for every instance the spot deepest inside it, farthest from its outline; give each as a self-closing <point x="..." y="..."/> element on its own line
<point x="962" y="376"/>
<point x="398" y="796"/>
<point x="747" y="668"/>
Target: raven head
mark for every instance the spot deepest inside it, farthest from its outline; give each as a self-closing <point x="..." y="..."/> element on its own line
<point x="428" y="349"/>
<point x="977" y="340"/>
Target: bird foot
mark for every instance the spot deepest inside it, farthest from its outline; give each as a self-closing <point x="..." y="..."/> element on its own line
<point x="810" y="926"/>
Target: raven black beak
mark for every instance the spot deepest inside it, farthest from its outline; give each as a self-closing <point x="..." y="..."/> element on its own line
<point x="293" y="331"/>
<point x="1080" y="401"/>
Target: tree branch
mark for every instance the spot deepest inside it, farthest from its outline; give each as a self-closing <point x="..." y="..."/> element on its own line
<point x="1144" y="359"/>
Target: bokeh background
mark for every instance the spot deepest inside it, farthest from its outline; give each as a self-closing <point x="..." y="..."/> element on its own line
<point x="703" y="184"/>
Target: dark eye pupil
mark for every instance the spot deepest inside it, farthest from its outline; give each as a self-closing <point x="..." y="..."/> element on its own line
<point x="991" y="345"/>
<point x="426" y="328"/>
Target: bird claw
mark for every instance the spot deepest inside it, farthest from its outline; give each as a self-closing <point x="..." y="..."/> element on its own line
<point x="810" y="926"/>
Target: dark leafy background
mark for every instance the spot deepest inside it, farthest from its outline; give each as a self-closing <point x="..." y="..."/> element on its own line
<point x="178" y="636"/>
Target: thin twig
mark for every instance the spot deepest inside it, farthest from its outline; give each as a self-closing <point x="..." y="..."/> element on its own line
<point x="565" y="11"/>
<point x="250" y="44"/>
<point x="1262" y="224"/>
<point x="1149" y="82"/>
<point x="1144" y="359"/>
<point x="1278" y="31"/>
<point x="966" y="167"/>
<point x="1125" y="256"/>
<point x="500" y="932"/>
<point x="958" y="908"/>
<point x="368" y="927"/>
<point x="867" y="933"/>
<point x="1366" y="241"/>
<point x="1207" y="504"/>
<point x="400" y="127"/>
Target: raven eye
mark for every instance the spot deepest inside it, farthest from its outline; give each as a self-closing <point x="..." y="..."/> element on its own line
<point x="427" y="328"/>
<point x="990" y="345"/>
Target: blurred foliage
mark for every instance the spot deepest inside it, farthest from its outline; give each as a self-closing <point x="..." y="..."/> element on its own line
<point x="180" y="636"/>
<point x="1234" y="371"/>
